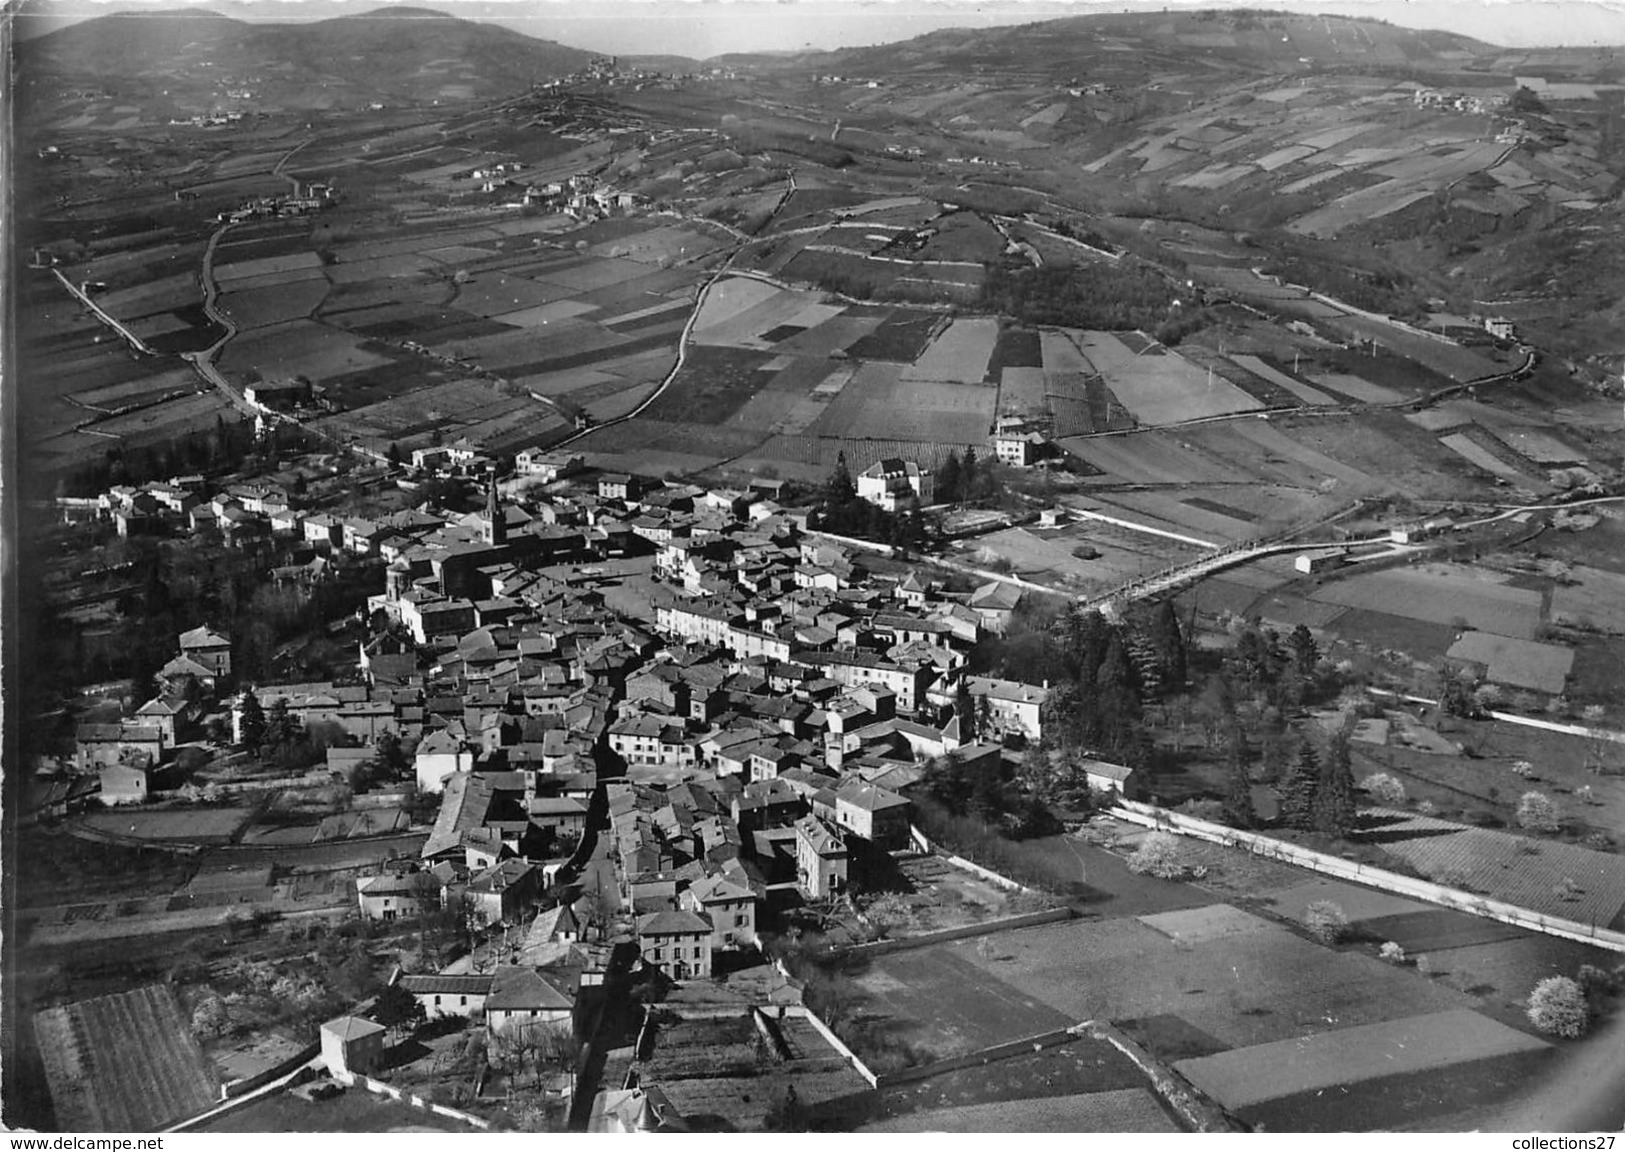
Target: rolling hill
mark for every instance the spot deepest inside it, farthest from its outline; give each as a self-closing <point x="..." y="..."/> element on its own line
<point x="396" y="55"/>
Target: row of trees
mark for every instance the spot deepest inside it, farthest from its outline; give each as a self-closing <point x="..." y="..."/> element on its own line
<point x="1118" y="296"/>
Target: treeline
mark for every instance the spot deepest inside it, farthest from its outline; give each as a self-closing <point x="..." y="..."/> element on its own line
<point x="1376" y="290"/>
<point x="1079" y="295"/>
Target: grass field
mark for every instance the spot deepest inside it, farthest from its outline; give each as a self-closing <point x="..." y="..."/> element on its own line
<point x="961" y="352"/>
<point x="1517" y="663"/>
<point x="1121" y="1110"/>
<point x="1441" y="594"/>
<point x="1242" y="988"/>
<point x="1501" y="866"/>
<point x="298" y="348"/>
<point x="201" y="824"/>
<point x="354" y="1111"/>
<point x="123" y="1063"/>
<point x="1249" y="1076"/>
<point x="934" y="998"/>
<point x="261" y="307"/>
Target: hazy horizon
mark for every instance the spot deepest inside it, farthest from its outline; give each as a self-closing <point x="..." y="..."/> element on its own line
<point x="705" y="28"/>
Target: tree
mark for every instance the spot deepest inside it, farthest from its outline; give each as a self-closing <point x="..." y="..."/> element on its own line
<point x="839" y="488"/>
<point x="1303" y="661"/>
<point x="1524" y="102"/>
<point x="1456" y="697"/>
<point x="395" y="456"/>
<point x="1326" y="921"/>
<point x="1238" y="796"/>
<point x="1298" y="789"/>
<point x="252" y="723"/>
<point x="1160" y="854"/>
<point x="1537" y="813"/>
<point x="1333" y="808"/>
<point x="1557" y="1006"/>
<point x="280" y="726"/>
<point x="397" y="1010"/>
<point x="950" y="479"/>
<point x="1385" y="789"/>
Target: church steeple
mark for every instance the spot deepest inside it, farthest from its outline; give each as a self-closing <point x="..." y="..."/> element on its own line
<point x="496" y="527"/>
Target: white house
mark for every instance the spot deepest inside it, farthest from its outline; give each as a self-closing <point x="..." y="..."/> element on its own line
<point x="439" y="757"/>
<point x="892" y="483"/>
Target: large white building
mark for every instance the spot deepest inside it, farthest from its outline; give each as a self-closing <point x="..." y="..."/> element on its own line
<point x="893" y="483"/>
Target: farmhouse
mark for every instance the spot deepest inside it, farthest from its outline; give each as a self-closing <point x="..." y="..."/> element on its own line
<point x="1018" y="449"/>
<point x="441" y="995"/>
<point x="389" y="898"/>
<point x="1318" y="560"/>
<point x="208" y="648"/>
<point x="522" y="995"/>
<point x="545" y="465"/>
<point x="893" y="483"/>
<point x="1104" y="776"/>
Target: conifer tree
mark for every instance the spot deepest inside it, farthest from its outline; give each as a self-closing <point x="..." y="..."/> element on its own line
<point x="1298" y="789"/>
<point x="1334" y="807"/>
<point x="1238" y="798"/>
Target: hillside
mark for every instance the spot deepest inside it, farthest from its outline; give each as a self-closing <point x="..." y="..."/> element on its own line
<point x="196" y="59"/>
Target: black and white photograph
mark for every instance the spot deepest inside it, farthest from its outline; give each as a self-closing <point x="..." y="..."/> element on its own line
<point x="811" y="566"/>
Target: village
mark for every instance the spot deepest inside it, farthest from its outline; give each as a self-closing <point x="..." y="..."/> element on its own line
<point x="639" y="719"/>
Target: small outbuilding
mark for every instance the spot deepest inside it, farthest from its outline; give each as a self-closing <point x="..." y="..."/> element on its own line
<point x="352" y="1046"/>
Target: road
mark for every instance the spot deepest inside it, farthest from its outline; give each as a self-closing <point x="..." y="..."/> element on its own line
<point x="124" y="333"/>
<point x="203" y="362"/>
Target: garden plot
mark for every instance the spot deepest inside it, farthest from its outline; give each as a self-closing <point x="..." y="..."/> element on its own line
<point x="153" y="296"/>
<point x="1023" y="390"/>
<point x="275" y="279"/>
<point x="657" y="244"/>
<point x="159" y="324"/>
<point x="1541" y="447"/>
<point x="1361" y="905"/>
<point x="1464" y="446"/>
<point x="594" y="274"/>
<point x="949" y="1005"/>
<point x="260" y="307"/>
<point x="1441" y="594"/>
<point x="543" y="314"/>
<point x="745" y="328"/>
<point x="386" y="267"/>
<point x="1155" y="458"/>
<point x="1598" y="600"/>
<point x="1517" y="663"/>
<point x="1248" y="1076"/>
<point x="299" y="348"/>
<point x="123" y="1063"/>
<point x="1119" y="1110"/>
<point x="197" y="825"/>
<point x="836" y="334"/>
<point x="1499" y="865"/>
<point x="960" y="352"/>
<point x="266" y="265"/>
<point x="493" y="294"/>
<point x="1299" y="389"/>
<point x="1242" y="988"/>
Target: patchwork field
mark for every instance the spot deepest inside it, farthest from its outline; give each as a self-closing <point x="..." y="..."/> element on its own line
<point x="1441" y="594"/>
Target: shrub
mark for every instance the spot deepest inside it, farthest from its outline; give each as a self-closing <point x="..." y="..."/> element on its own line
<point x="1558" y="1006"/>
<point x="1597" y="981"/>
<point x="1523" y="769"/>
<point x="1424" y="966"/>
<point x="1537" y="813"/>
<point x="1426" y="808"/>
<point x="1160" y="854"/>
<point x="1385" y="789"/>
<point x="1392" y="953"/>
<point x="1326" y="921"/>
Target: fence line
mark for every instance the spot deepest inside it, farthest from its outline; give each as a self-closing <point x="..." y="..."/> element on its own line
<point x="963" y="932"/>
<point x="378" y="1087"/>
<point x="1164" y="820"/>
<point x="834" y="1041"/>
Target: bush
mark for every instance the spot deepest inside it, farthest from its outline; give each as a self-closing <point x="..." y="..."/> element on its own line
<point x="1424" y="966"/>
<point x="1392" y="953"/>
<point x="1537" y="813"/>
<point x="1326" y="922"/>
<point x="1385" y="790"/>
<point x="1161" y="855"/>
<point x="1558" y="1007"/>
